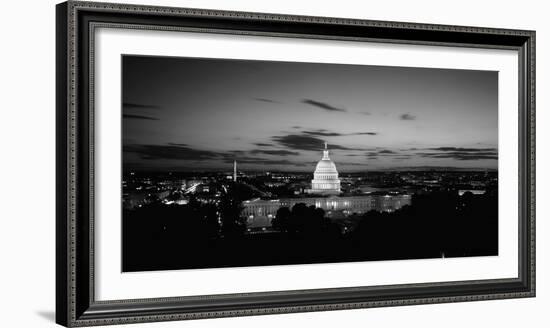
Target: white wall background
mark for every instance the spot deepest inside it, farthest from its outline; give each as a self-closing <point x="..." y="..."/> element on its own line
<point x="27" y="179"/>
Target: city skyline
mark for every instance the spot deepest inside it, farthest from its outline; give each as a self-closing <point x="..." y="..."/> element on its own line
<point x="197" y="114"/>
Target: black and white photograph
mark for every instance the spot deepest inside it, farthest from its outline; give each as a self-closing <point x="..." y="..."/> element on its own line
<point x="258" y="163"/>
<point x="235" y="163"/>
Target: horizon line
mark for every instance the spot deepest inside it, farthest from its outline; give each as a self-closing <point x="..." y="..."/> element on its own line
<point x="401" y="169"/>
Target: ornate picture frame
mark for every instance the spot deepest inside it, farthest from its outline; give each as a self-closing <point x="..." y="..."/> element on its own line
<point x="77" y="22"/>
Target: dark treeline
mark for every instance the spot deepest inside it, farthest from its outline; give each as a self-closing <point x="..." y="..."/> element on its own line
<point x="159" y="236"/>
<point x="435" y="225"/>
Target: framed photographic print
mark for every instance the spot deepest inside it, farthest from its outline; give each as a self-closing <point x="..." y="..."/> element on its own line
<point x="215" y="163"/>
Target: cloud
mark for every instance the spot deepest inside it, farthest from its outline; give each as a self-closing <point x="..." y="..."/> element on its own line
<point x="170" y="151"/>
<point x="364" y="133"/>
<point x="326" y="133"/>
<point x="353" y="164"/>
<point x="322" y="105"/>
<point x="135" y="105"/>
<point x="456" y="153"/>
<point x="299" y="142"/>
<point x="372" y="155"/>
<point x="305" y="142"/>
<point x="460" y="156"/>
<point x="267" y="100"/>
<point x="180" y="151"/>
<point x="464" y="149"/>
<point x="126" y="107"/>
<point x="139" y="117"/>
<point x="384" y="153"/>
<point x="322" y="133"/>
<point x="274" y="152"/>
<point x="407" y="117"/>
<point x="365" y="113"/>
<point x="460" y="153"/>
<point x="264" y="161"/>
<point x="261" y="144"/>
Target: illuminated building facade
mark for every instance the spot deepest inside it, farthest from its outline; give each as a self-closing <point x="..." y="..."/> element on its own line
<point x="260" y="212"/>
<point x="325" y="178"/>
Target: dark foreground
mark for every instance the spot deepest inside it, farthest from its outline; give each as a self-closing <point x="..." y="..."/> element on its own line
<point x="161" y="237"/>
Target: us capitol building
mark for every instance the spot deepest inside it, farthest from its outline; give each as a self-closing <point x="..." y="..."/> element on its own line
<point x="325" y="178"/>
<point x="324" y="193"/>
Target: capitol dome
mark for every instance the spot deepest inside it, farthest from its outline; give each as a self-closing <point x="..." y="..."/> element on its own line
<point x="325" y="165"/>
<point x="325" y="178"/>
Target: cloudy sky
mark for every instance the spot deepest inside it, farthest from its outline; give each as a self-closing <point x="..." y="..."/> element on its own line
<point x="201" y="114"/>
